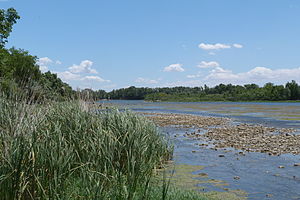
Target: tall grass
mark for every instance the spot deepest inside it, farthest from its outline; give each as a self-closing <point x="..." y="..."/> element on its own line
<point x="65" y="151"/>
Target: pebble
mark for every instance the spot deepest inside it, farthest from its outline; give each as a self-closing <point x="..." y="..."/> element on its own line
<point x="202" y="174"/>
<point x="246" y="137"/>
<point x="269" y="195"/>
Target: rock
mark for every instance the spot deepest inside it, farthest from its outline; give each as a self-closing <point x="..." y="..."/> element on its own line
<point x="203" y="174"/>
<point x="276" y="175"/>
<point x="193" y="151"/>
<point x="269" y="195"/>
<point x="221" y="155"/>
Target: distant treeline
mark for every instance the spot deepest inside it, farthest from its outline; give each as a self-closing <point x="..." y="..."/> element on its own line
<point x="221" y="92"/>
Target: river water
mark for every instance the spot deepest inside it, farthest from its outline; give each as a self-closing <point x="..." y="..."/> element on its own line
<point x="259" y="174"/>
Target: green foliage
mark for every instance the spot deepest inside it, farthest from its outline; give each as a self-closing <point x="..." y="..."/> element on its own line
<point x="65" y="151"/>
<point x="7" y="19"/>
<point x="19" y="74"/>
<point x="221" y="92"/>
<point x="54" y="88"/>
<point x="293" y="92"/>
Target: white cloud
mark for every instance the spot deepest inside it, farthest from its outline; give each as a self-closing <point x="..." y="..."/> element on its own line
<point x="43" y="63"/>
<point x="195" y="75"/>
<point x="44" y="68"/>
<point x="237" y="46"/>
<point x="84" y="67"/>
<point x="94" y="78"/>
<point x="216" y="46"/>
<point x="58" y="62"/>
<point x="68" y="76"/>
<point x="174" y="68"/>
<point x="258" y="75"/>
<point x="189" y="83"/>
<point x="210" y="64"/>
<point x="222" y="75"/>
<point x="146" y="81"/>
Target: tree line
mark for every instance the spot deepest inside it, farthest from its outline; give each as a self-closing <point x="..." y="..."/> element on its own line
<point x="221" y="92"/>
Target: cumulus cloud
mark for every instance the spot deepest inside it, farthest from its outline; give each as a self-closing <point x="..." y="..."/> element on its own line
<point x="43" y="63"/>
<point x="210" y="64"/>
<point x="216" y="46"/>
<point x="237" y="46"/>
<point x="146" y="81"/>
<point x="195" y="75"/>
<point x="189" y="83"/>
<point x="174" y="68"/>
<point x="94" y="78"/>
<point x="259" y="75"/>
<point x="84" y="67"/>
<point x="58" y="62"/>
<point x="68" y="76"/>
<point x="44" y="68"/>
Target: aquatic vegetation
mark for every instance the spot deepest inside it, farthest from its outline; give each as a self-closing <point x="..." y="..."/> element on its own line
<point x="191" y="178"/>
<point x="63" y="151"/>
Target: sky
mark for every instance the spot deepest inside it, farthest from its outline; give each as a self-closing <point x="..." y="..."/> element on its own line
<point x="113" y="44"/>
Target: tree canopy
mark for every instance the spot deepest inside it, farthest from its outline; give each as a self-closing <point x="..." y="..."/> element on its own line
<point x="7" y="19"/>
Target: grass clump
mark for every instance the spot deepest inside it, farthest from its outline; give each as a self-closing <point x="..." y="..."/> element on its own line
<point x="65" y="151"/>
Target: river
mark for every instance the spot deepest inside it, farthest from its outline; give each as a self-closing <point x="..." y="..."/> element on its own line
<point x="259" y="175"/>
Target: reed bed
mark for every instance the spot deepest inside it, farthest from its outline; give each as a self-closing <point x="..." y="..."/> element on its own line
<point x="66" y="151"/>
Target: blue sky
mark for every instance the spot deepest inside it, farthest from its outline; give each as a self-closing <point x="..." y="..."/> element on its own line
<point x="113" y="44"/>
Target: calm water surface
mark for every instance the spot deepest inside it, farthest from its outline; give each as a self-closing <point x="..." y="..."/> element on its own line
<point x="258" y="173"/>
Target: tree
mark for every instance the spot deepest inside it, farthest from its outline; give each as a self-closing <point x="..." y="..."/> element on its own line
<point x="294" y="90"/>
<point x="7" y="19"/>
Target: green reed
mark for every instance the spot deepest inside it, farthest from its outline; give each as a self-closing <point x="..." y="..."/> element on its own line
<point x="66" y="150"/>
